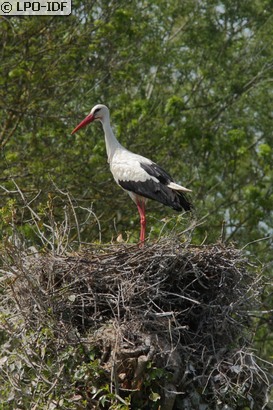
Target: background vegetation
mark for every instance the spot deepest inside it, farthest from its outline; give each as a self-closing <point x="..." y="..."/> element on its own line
<point x="188" y="83"/>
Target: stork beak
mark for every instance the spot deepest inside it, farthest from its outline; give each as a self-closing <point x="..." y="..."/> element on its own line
<point x="87" y="120"/>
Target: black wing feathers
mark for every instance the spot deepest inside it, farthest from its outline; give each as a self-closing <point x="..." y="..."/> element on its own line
<point x="156" y="171"/>
<point x="159" y="191"/>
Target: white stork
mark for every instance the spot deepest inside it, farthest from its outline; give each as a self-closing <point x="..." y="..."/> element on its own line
<point x="137" y="175"/>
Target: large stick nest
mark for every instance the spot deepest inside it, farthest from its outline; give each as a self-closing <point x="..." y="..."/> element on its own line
<point x="185" y="309"/>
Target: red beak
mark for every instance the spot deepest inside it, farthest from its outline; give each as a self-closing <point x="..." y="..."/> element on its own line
<point x="87" y="120"/>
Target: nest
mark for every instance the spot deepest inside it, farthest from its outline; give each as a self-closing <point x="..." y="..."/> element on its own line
<point x="179" y="308"/>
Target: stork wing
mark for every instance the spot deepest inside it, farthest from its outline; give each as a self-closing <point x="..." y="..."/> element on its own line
<point x="156" y="171"/>
<point x="162" y="176"/>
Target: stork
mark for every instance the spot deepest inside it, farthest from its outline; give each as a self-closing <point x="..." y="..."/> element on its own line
<point x="139" y="176"/>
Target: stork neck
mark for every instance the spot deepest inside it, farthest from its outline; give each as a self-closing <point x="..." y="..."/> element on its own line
<point x="110" y="140"/>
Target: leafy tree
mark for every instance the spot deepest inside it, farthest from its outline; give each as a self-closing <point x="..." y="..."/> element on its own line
<point x="188" y="84"/>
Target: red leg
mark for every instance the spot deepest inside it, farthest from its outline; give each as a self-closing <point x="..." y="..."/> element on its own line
<point x="141" y="211"/>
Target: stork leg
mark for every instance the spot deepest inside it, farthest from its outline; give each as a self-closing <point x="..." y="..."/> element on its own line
<point x="141" y="210"/>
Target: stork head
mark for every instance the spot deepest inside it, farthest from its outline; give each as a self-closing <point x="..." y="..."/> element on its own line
<point x="98" y="113"/>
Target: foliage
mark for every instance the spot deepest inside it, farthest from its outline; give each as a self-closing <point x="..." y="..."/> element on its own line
<point x="192" y="93"/>
<point x="188" y="84"/>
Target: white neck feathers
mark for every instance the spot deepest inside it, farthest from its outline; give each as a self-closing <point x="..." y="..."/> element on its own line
<point x="110" y="140"/>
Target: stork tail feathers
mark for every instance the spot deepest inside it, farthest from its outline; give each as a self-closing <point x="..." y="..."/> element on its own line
<point x="177" y="187"/>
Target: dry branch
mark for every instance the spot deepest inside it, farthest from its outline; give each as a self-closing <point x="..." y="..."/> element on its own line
<point x="185" y="309"/>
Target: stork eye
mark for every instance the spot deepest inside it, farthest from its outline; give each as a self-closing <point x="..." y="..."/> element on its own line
<point x="96" y="110"/>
